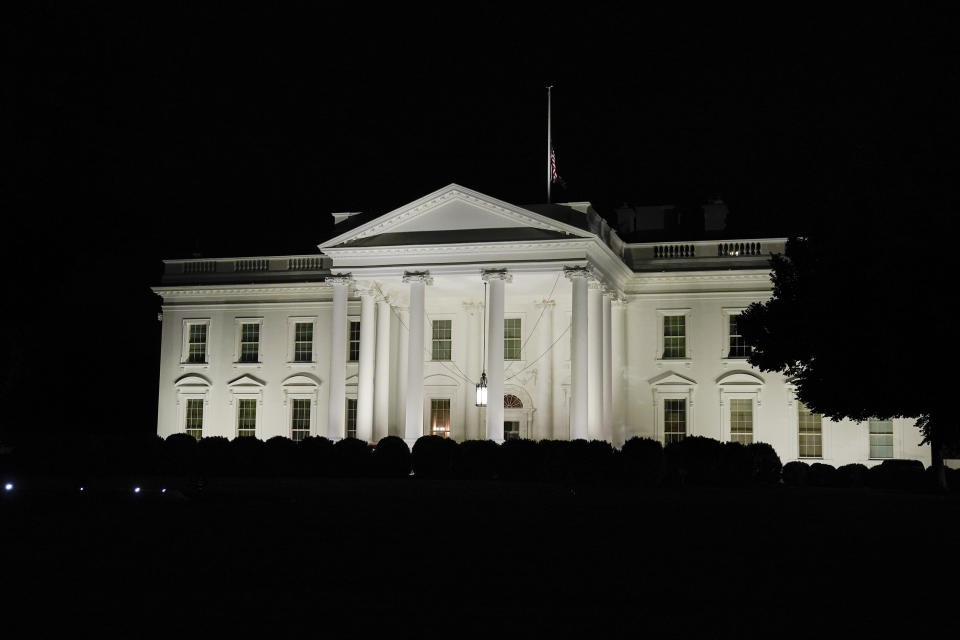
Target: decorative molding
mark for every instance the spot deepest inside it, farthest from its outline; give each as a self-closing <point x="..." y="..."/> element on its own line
<point x="577" y="272"/>
<point x="474" y="247"/>
<point x="472" y="307"/>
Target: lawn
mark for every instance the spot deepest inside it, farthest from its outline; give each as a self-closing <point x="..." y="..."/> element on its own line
<point x="416" y="558"/>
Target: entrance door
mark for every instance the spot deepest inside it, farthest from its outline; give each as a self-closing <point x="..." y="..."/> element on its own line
<point x="511" y="430"/>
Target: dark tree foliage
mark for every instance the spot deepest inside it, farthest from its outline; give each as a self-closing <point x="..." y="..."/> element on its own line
<point x="434" y="457"/>
<point x="857" y="319"/>
<point x="477" y="460"/>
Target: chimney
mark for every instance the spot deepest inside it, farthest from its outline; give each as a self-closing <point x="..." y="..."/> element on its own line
<point x="343" y="215"/>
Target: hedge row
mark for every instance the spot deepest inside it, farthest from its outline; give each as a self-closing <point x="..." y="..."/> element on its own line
<point x="693" y="461"/>
<point x="889" y="474"/>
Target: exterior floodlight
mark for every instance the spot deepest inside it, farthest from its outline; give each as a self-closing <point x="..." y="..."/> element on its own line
<point x="136" y="489"/>
<point x="8" y="486"/>
<point x="81" y="488"/>
<point x="482" y="390"/>
<point x="164" y="490"/>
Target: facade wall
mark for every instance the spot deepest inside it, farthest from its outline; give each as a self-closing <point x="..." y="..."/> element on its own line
<point x="544" y="386"/>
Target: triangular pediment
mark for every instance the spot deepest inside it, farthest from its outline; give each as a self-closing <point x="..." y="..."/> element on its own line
<point x="246" y="381"/>
<point x="671" y="379"/>
<point x="451" y="215"/>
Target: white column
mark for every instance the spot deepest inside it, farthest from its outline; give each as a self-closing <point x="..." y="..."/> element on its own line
<point x="595" y="361"/>
<point x="544" y="405"/>
<point x="336" y="408"/>
<point x="473" y="341"/>
<point x="619" y="371"/>
<point x="607" y="368"/>
<point x="368" y="348"/>
<point x="579" y="276"/>
<point x="381" y="379"/>
<point x="402" y="353"/>
<point x="497" y="279"/>
<point x="413" y="426"/>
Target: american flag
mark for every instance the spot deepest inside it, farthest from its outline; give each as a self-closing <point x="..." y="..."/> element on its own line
<point x="553" y="165"/>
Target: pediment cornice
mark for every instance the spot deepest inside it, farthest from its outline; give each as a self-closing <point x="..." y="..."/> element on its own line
<point x="446" y="195"/>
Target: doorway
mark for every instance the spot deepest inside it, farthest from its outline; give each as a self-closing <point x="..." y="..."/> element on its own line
<point x="511" y="430"/>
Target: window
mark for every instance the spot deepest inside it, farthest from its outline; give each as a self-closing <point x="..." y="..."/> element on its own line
<point x="442" y="331"/>
<point x="674" y="337"/>
<point x="440" y="417"/>
<point x="738" y="347"/>
<point x="810" y="424"/>
<point x="351" y="417"/>
<point x="353" y="346"/>
<point x="250" y="342"/>
<point x="194" y="421"/>
<point x="511" y="430"/>
<point x="741" y="420"/>
<point x="881" y="438"/>
<point x="196" y="342"/>
<point x="300" y="419"/>
<point x="511" y="338"/>
<point x="303" y="342"/>
<point x="674" y="420"/>
<point x="246" y="417"/>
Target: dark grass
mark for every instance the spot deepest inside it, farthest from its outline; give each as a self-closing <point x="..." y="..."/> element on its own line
<point x="414" y="558"/>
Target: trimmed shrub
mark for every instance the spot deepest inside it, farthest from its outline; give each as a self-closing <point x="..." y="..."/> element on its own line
<point x="555" y="460"/>
<point x="433" y="457"/>
<point x="642" y="463"/>
<point x="590" y="462"/>
<point x="351" y="458"/>
<point x="477" y="460"/>
<point x="821" y="475"/>
<point x="279" y="456"/>
<point x="795" y="473"/>
<point x="213" y="455"/>
<point x="518" y="460"/>
<point x="315" y="456"/>
<point x="695" y="460"/>
<point x="736" y="465"/>
<point x="246" y="456"/>
<point x="851" y="476"/>
<point x="766" y="463"/>
<point x="390" y="458"/>
<point x="896" y="474"/>
<point x="180" y="454"/>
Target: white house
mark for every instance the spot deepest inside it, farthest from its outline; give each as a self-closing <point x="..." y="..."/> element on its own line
<point x="388" y="329"/>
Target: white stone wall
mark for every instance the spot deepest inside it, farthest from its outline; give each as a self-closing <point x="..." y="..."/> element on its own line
<point x="775" y="417"/>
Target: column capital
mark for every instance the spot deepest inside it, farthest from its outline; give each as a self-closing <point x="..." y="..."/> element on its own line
<point x="496" y="274"/>
<point x="339" y="278"/>
<point x="418" y="276"/>
<point x="598" y="285"/>
<point x="366" y="290"/>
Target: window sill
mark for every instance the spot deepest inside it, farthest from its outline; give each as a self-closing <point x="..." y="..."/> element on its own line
<point x="194" y="365"/>
<point x="686" y="362"/>
<point x="247" y="365"/>
<point x="302" y="365"/>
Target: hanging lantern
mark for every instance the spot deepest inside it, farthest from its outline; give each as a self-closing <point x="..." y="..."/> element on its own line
<point x="482" y="390"/>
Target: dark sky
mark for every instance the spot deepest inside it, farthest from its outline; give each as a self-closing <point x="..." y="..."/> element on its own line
<point x="138" y="133"/>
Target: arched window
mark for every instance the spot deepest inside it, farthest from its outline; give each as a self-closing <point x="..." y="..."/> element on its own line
<point x="512" y="402"/>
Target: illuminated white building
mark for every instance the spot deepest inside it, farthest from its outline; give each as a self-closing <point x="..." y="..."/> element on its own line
<point x="385" y="332"/>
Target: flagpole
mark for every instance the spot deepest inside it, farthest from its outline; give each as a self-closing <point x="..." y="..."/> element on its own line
<point x="549" y="146"/>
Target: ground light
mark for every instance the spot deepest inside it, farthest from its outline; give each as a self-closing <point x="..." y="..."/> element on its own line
<point x="8" y="486"/>
<point x="136" y="489"/>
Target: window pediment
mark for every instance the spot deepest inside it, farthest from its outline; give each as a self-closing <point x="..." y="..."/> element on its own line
<point x="740" y="379"/>
<point x="246" y="383"/>
<point x="440" y="380"/>
<point x="300" y="381"/>
<point x="192" y="381"/>
<point x="671" y="380"/>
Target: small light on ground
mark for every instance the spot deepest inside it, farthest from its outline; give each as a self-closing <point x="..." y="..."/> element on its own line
<point x="164" y="490"/>
<point x="136" y="489"/>
<point x="8" y="486"/>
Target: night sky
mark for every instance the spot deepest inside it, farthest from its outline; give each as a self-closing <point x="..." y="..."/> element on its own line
<point x="135" y="134"/>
